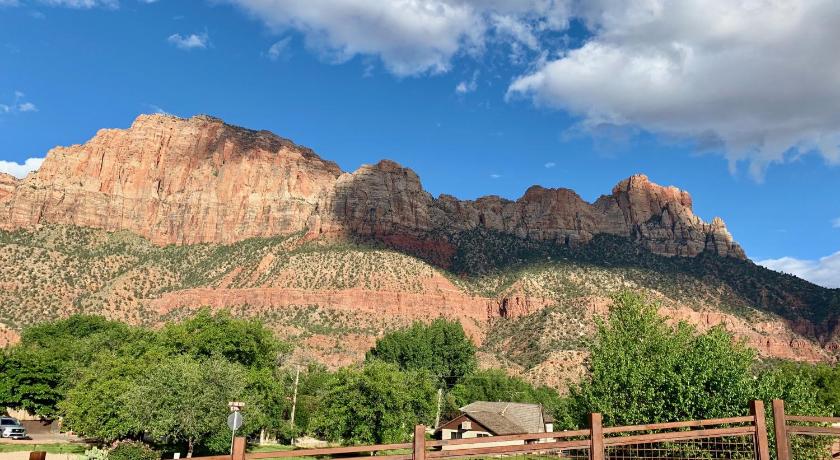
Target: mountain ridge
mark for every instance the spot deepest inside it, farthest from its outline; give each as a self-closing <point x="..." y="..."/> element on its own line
<point x="200" y="180"/>
<point x="148" y="224"/>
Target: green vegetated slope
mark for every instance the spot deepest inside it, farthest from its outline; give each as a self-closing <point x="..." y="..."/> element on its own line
<point x="57" y="270"/>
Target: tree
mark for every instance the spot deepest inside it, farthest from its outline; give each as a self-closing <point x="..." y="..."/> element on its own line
<point x="375" y="404"/>
<point x="182" y="399"/>
<point x="440" y="347"/>
<point x="496" y="385"/>
<point x="30" y="380"/>
<point x="96" y="407"/>
<point x="45" y="364"/>
<point x="645" y="371"/>
<point x="247" y="342"/>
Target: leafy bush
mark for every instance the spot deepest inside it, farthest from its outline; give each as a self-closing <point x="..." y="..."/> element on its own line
<point x="132" y="450"/>
<point x="95" y="454"/>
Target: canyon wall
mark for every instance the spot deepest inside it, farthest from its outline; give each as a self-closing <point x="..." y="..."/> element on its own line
<point x="199" y="180"/>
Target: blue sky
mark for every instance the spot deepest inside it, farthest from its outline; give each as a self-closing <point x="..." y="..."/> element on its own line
<point x="477" y="97"/>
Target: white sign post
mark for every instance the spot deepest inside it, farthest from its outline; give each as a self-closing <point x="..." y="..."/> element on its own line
<point x="234" y="420"/>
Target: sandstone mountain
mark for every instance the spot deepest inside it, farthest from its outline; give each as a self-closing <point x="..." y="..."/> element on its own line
<point x="150" y="223"/>
<point x="199" y="180"/>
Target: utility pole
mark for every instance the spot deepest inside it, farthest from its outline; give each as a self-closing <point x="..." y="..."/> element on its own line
<point x="294" y="399"/>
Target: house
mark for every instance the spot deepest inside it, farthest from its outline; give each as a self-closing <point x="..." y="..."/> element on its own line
<point x="483" y="419"/>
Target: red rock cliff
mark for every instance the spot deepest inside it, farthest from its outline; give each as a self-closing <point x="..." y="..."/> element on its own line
<point x="195" y="180"/>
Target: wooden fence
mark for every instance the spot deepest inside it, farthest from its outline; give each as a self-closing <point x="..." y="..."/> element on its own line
<point x="820" y="433"/>
<point x="730" y="438"/>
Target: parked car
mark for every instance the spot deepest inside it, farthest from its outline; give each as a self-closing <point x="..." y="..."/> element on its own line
<point x="10" y="427"/>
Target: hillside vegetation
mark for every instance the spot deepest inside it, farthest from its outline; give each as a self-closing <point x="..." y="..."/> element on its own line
<point x="538" y="294"/>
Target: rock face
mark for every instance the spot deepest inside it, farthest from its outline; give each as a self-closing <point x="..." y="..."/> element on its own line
<point x="199" y="180"/>
<point x="8" y="184"/>
<point x="175" y="181"/>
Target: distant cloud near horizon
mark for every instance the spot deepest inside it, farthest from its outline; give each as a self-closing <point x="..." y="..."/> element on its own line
<point x="189" y="42"/>
<point x="824" y="271"/>
<point x="20" y="170"/>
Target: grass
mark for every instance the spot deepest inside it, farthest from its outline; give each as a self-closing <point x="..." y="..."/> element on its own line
<point x="63" y="448"/>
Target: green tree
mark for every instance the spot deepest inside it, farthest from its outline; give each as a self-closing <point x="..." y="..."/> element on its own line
<point x="181" y="399"/>
<point x="375" y="404"/>
<point x="645" y="371"/>
<point x="496" y="385"/>
<point x="247" y="342"/>
<point x="30" y="380"/>
<point x="440" y="347"/>
<point x="45" y="364"/>
<point x="312" y="388"/>
<point x="96" y="406"/>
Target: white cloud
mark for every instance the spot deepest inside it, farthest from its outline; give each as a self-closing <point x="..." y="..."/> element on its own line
<point x="825" y="271"/>
<point x="20" y="170"/>
<point x="835" y="223"/>
<point x="750" y="78"/>
<point x="550" y="164"/>
<point x="18" y="105"/>
<point x="189" y="42"/>
<point x="409" y="36"/>
<point x="467" y="86"/>
<point x="83" y="4"/>
<point x="27" y="107"/>
<point x="279" y="48"/>
<point x="495" y="176"/>
<point x="9" y="3"/>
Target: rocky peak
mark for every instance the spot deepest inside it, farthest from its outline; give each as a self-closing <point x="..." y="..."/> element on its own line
<point x="180" y="181"/>
<point x="8" y="183"/>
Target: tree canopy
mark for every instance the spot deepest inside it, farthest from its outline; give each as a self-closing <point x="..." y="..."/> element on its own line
<point x="440" y="347"/>
<point x="375" y="404"/>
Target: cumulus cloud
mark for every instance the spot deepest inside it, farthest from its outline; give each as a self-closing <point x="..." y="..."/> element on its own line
<point x="20" y="170"/>
<point x="824" y="271"/>
<point x="755" y="79"/>
<point x="550" y="164"/>
<point x="189" y="42"/>
<point x="409" y="36"/>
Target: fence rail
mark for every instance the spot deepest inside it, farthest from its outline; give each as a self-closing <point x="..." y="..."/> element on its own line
<point x="719" y="438"/>
<point x="805" y="436"/>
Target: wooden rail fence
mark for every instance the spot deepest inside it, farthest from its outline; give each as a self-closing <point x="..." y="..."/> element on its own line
<point x="822" y="431"/>
<point x="730" y="438"/>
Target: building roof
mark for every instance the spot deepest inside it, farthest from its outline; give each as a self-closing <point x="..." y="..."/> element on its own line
<point x="507" y="417"/>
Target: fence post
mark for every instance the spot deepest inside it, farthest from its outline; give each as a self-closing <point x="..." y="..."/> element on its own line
<point x="780" y="426"/>
<point x="761" y="446"/>
<point x="37" y="456"/>
<point x="419" y="442"/>
<point x="238" y="452"/>
<point x="596" y="437"/>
